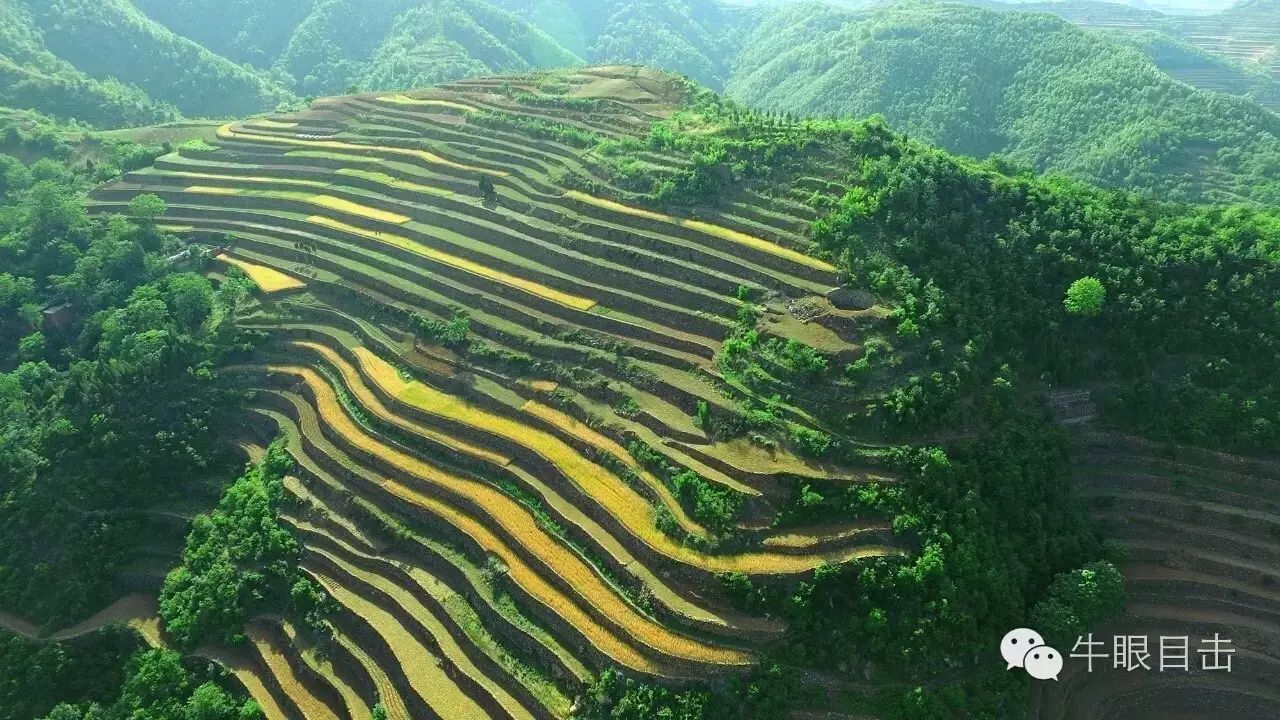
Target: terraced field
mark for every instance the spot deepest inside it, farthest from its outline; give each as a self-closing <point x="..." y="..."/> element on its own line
<point x="476" y="507"/>
<point x="1202" y="528"/>
<point x="1247" y="34"/>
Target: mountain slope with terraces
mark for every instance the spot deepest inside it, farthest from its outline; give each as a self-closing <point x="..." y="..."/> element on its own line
<point x="1247" y="35"/>
<point x="493" y="396"/>
<point x="1201" y="528"/>
<point x="591" y="406"/>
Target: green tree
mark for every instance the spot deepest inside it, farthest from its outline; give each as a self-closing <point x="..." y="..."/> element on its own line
<point x="1086" y="296"/>
<point x="487" y="189"/>
<point x="1079" y="600"/>
<point x="210" y="702"/>
<point x="147" y="207"/>
<point x="239" y="561"/>
<point x="191" y="298"/>
<point x="32" y="347"/>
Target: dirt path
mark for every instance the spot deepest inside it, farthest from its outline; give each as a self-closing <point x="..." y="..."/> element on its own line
<point x="138" y="611"/>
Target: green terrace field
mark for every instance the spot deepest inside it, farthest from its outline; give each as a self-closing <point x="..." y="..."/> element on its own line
<point x="497" y="398"/>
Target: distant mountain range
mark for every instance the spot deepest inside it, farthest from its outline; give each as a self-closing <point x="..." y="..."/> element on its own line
<point x="1176" y="106"/>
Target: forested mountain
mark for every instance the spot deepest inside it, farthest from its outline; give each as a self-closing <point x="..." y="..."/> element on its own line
<point x="326" y="45"/>
<point x="1044" y="92"/>
<point x="1205" y="69"/>
<point x="613" y="398"/>
<point x="697" y="38"/>
<point x="1112" y="106"/>
<point x="98" y="45"/>
<point x="1248" y="32"/>
<point x="401" y="44"/>
<point x="33" y="77"/>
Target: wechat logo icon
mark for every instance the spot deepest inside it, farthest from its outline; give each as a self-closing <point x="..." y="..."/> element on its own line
<point x="1024" y="648"/>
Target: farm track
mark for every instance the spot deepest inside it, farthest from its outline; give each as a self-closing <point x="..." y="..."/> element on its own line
<point x="489" y="539"/>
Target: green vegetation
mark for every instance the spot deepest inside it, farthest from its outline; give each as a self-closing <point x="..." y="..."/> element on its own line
<point x="32" y="77"/>
<point x="986" y="257"/>
<point x="158" y="687"/>
<point x="38" y="676"/>
<point x="1076" y="601"/>
<point x="714" y="507"/>
<point x="766" y="693"/>
<point x="112" y="39"/>
<point x="240" y="562"/>
<point x="75" y="410"/>
<point x="859" y="467"/>
<point x="1109" y="108"/>
<point x="109" y="411"/>
<point x="1034" y="88"/>
<point x="1085" y="297"/>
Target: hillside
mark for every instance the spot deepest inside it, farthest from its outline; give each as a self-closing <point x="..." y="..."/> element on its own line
<point x="1247" y="33"/>
<point x="325" y="46"/>
<point x="33" y="77"/>
<point x="1111" y="107"/>
<point x="112" y="39"/>
<point x="1048" y="95"/>
<point x="570" y="446"/>
<point x="597" y="391"/>
<point x="1207" y="70"/>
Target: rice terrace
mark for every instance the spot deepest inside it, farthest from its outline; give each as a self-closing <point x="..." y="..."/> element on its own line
<point x="499" y="521"/>
<point x="676" y="360"/>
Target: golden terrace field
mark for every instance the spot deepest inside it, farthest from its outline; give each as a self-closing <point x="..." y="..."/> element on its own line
<point x="492" y="395"/>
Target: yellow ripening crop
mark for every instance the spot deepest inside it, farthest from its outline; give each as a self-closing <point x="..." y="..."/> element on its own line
<point x="389" y="374"/>
<point x="386" y="690"/>
<point x="607" y="489"/>
<point x="812" y="537"/>
<point x="474" y="268"/>
<point x="388" y="180"/>
<point x="572" y="426"/>
<point x="321" y="665"/>
<point x="247" y="673"/>
<point x="428" y="619"/>
<point x="617" y="499"/>
<point x="212" y="190"/>
<point x="503" y="511"/>
<point x="592" y="479"/>
<point x="273" y="124"/>
<point x="419" y="102"/>
<point x="242" y="178"/>
<point x="269" y="280"/>
<point x="329" y="202"/>
<point x="706" y="228"/>
<point x="226" y="133"/>
<point x="420" y="665"/>
<point x="351" y="208"/>
<point x="278" y="665"/>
